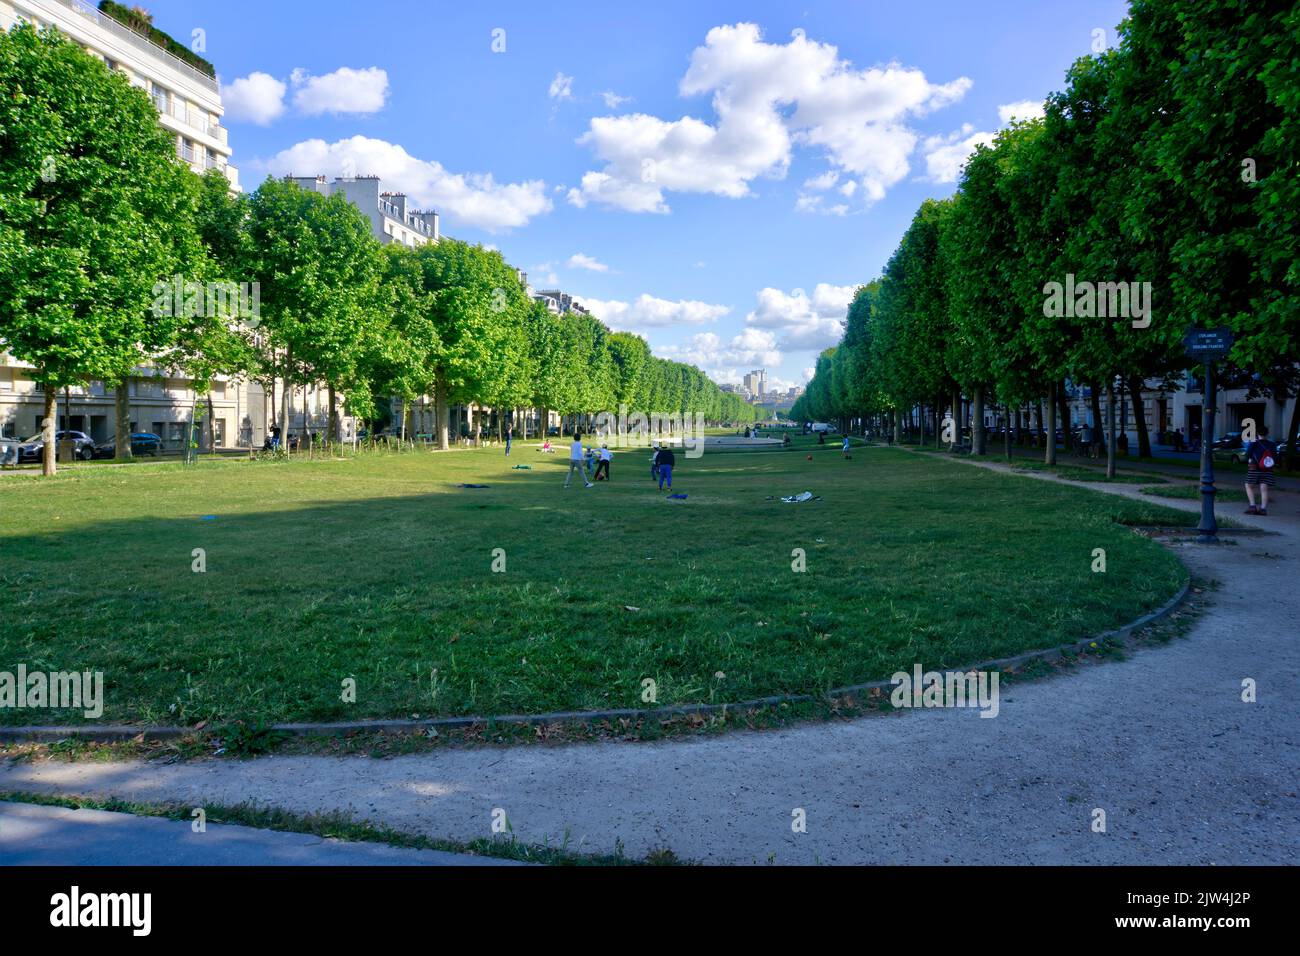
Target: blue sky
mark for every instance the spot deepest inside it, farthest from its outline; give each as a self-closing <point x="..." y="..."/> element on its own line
<point x="700" y="173"/>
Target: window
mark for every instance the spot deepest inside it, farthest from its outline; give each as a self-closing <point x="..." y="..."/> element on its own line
<point x="6" y="380"/>
<point x="218" y="390"/>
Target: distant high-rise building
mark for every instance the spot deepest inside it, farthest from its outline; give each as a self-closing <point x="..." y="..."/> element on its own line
<point x="756" y="381"/>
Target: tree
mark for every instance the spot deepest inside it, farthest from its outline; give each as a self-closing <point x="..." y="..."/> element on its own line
<point x="319" y="270"/>
<point x="95" y="209"/>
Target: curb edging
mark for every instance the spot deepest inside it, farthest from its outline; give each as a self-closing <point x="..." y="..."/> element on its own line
<point x="117" y="733"/>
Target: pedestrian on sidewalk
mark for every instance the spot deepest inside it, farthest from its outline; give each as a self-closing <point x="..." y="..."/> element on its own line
<point x="666" y="461"/>
<point x="1261" y="459"/>
<point x="576" y="461"/>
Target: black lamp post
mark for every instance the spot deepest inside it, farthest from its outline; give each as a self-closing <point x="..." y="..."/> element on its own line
<point x="1208" y="345"/>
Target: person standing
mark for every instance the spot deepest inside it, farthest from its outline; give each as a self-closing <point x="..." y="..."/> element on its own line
<point x="844" y="449"/>
<point x="665" y="461"/>
<point x="577" y="461"/>
<point x="1261" y="460"/>
<point x="509" y="435"/>
<point x="654" y="461"/>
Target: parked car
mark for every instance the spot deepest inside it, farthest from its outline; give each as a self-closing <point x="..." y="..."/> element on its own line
<point x="1229" y="448"/>
<point x="142" y="443"/>
<point x="821" y="427"/>
<point x="32" y="448"/>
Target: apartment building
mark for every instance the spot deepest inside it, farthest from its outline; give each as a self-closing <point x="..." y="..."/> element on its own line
<point x="187" y="96"/>
<point x="188" y="99"/>
<point x="392" y="217"/>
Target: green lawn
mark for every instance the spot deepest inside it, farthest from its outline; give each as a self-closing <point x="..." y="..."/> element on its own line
<point x="378" y="568"/>
<point x="1193" y="492"/>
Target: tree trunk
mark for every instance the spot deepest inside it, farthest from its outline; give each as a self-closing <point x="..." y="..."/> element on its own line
<point x="1097" y="432"/>
<point x="1111" y="442"/>
<point x="1063" y="399"/>
<point x="1140" y="416"/>
<point x="977" y="421"/>
<point x="1038" y="420"/>
<point x="441" y="411"/>
<point x="1293" y="453"/>
<point x="49" y="453"/>
<point x="122" y="427"/>
<point x="898" y="426"/>
<point x="332" y="432"/>
<point x="1049" y="455"/>
<point x="1006" y="435"/>
<point x="285" y="389"/>
<point x="210" y="425"/>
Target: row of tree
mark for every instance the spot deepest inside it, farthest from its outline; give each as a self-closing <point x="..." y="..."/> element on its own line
<point x="1171" y="159"/>
<point x="96" y="211"/>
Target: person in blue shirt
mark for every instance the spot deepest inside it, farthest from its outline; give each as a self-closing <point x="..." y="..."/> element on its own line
<point x="1261" y="461"/>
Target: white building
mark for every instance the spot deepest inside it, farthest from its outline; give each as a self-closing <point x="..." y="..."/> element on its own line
<point x="189" y="103"/>
<point x="188" y="98"/>
<point x="392" y="218"/>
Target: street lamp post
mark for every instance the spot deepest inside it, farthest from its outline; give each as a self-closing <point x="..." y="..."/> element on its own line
<point x="1208" y="345"/>
<point x="1209" y="527"/>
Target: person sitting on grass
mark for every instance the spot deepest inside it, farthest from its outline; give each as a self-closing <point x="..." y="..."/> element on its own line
<point x="576" y="461"/>
<point x="1261" y="459"/>
<point x="666" y="461"/>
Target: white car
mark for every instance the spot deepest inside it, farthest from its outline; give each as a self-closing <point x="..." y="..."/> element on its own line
<point x="821" y="427"/>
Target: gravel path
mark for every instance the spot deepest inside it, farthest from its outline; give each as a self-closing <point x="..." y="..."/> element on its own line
<point x="1186" y="772"/>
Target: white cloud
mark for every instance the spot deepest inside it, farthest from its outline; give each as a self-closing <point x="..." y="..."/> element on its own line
<point x="543" y="276"/>
<point x="825" y="181"/>
<point x="561" y="87"/>
<point x="1022" y="110"/>
<point x="257" y="98"/>
<point x="729" y="360"/>
<point x="473" y="199"/>
<point x="649" y="312"/>
<point x="613" y="101"/>
<point x="767" y="97"/>
<point x="800" y="321"/>
<point x="344" y="91"/>
<point x="946" y="155"/>
<point x="817" y="204"/>
<point x="580" y="261"/>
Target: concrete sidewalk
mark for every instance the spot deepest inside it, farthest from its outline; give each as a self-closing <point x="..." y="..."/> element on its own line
<point x="32" y="835"/>
<point x="1185" y="771"/>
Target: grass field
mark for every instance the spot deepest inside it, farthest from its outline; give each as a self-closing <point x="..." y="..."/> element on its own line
<point x="378" y="568"/>
<point x="1193" y="492"/>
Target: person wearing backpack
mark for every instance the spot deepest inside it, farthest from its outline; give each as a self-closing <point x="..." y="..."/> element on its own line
<point x="1261" y="461"/>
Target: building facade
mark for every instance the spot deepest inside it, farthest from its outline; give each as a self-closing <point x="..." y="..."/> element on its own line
<point x="187" y="98"/>
<point x="188" y="101"/>
<point x="392" y="217"/>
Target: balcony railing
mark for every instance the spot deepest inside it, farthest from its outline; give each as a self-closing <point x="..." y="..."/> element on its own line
<point x="141" y="43"/>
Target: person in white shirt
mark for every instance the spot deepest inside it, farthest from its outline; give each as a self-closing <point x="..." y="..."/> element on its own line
<point x="602" y="466"/>
<point x="576" y="462"/>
